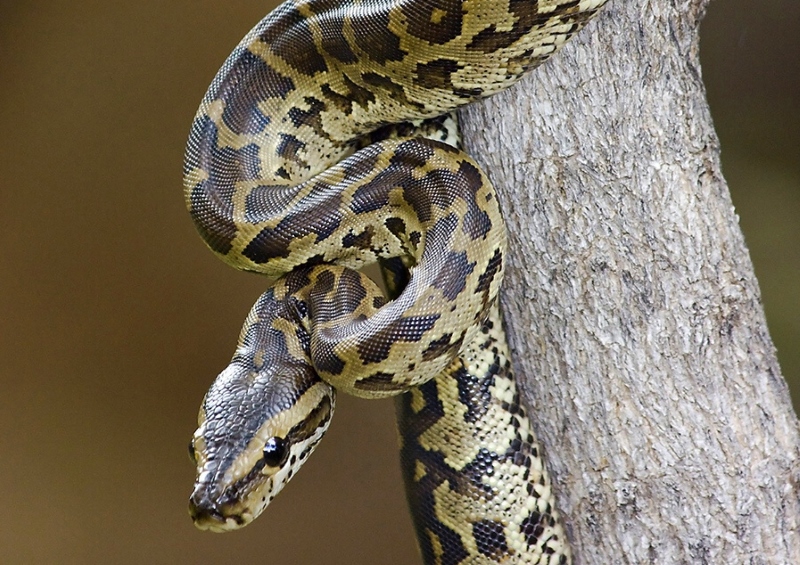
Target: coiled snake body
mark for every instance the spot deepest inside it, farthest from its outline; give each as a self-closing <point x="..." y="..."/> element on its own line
<point x="323" y="145"/>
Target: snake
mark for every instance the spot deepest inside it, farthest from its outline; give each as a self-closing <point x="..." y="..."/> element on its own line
<point x="328" y="142"/>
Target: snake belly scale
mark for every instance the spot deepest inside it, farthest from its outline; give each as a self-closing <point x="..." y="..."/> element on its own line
<point x="325" y="143"/>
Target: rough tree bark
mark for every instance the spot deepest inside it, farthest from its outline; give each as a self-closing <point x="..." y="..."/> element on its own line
<point x="633" y="310"/>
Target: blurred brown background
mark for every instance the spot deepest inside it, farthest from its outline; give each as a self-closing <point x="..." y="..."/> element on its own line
<point x="114" y="318"/>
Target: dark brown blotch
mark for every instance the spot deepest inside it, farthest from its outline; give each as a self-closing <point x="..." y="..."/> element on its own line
<point x="297" y="280"/>
<point x="436" y="74"/>
<point x="475" y="393"/>
<point x="397" y="227"/>
<point x="273" y="242"/>
<point x="471" y="478"/>
<point x="357" y="94"/>
<point x="413" y="153"/>
<point x="361" y="240"/>
<point x="360" y="164"/>
<point x="392" y="90"/>
<point x="347" y="297"/>
<point x="311" y="118"/>
<point x="330" y="19"/>
<point x="289" y="148"/>
<point x="212" y="222"/>
<point x="248" y="82"/>
<point x="452" y="280"/>
<point x="210" y="201"/>
<point x="374" y="194"/>
<point x="289" y="37"/>
<point x="407" y="329"/>
<point x="477" y="223"/>
<point x="490" y="538"/>
<point x="490" y="40"/>
<point x="374" y="37"/>
<point x="442" y="347"/>
<point x="532" y="528"/>
<point x="322" y="286"/>
<point x="326" y="361"/>
<point x="377" y="382"/>
<point x="267" y="245"/>
<point x="340" y="101"/>
<point x="493" y="267"/>
<point x="395" y="275"/>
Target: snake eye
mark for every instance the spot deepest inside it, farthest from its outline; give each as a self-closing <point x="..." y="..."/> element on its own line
<point x="192" y="454"/>
<point x="275" y="452"/>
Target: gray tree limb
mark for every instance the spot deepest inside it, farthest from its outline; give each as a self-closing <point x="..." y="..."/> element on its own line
<point x="632" y="306"/>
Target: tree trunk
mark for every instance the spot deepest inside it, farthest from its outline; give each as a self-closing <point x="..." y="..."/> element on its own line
<point x="633" y="311"/>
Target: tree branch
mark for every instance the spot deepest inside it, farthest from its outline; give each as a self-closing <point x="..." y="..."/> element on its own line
<point x="633" y="311"/>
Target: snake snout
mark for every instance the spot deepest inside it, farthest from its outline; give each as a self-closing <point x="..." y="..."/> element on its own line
<point x="208" y="513"/>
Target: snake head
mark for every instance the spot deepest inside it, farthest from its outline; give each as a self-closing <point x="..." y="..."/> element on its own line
<point x="256" y="428"/>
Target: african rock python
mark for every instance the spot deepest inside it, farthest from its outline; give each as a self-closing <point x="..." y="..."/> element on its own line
<point x="324" y="145"/>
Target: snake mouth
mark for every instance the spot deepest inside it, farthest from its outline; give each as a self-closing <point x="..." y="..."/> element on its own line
<point x="218" y="523"/>
<point x="209" y="515"/>
<point x="214" y="521"/>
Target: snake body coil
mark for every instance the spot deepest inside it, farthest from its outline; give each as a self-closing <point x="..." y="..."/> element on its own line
<point x="323" y="145"/>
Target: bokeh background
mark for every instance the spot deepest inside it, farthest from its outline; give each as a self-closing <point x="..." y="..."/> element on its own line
<point x="114" y="318"/>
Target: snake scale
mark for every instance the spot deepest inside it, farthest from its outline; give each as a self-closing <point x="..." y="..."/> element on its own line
<point x="326" y="143"/>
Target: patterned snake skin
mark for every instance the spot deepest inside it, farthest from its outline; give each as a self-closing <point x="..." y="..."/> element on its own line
<point x="324" y="144"/>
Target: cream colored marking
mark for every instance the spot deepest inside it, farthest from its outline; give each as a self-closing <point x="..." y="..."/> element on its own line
<point x="437" y="15"/>
<point x="417" y="400"/>
<point x="419" y="471"/>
